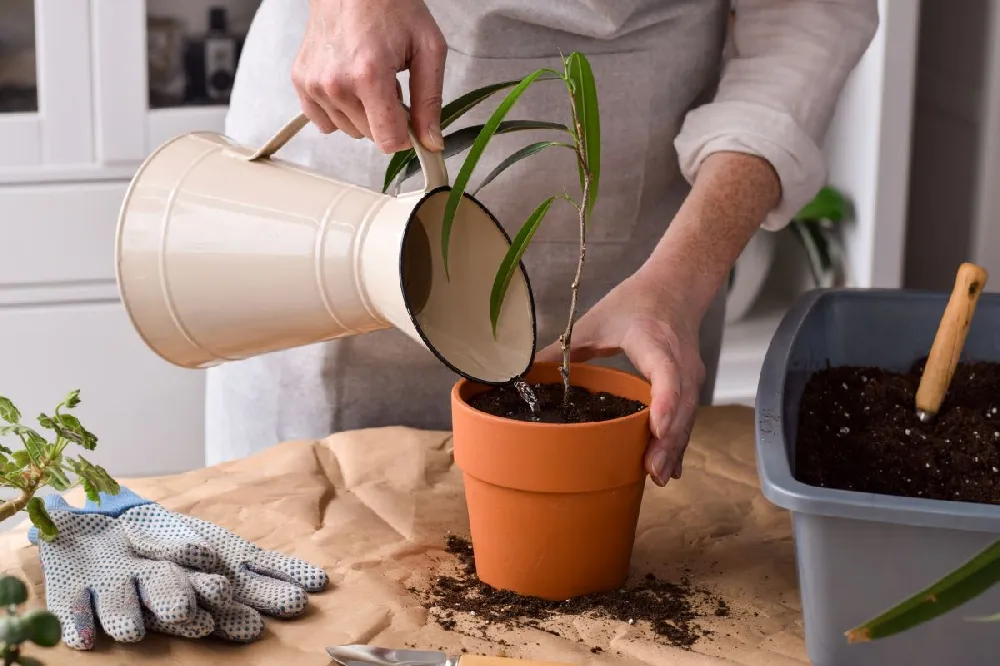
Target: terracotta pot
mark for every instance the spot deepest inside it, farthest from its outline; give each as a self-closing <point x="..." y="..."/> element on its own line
<point x="553" y="507"/>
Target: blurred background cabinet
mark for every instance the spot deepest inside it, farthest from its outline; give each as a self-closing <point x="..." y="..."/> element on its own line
<point x="87" y="89"/>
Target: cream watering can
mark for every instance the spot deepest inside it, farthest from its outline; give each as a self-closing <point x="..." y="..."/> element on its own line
<point x="224" y="252"/>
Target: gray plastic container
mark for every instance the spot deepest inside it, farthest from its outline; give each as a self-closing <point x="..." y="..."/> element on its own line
<point x="860" y="553"/>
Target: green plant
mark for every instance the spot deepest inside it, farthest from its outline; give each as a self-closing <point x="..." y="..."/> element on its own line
<point x="582" y="136"/>
<point x="814" y="226"/>
<point x="956" y="588"/>
<point x="43" y="463"/>
<point x="37" y="626"/>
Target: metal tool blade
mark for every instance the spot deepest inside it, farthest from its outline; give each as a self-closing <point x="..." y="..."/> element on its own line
<point x="358" y="655"/>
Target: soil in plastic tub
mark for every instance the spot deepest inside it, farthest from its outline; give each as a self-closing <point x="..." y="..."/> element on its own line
<point x="671" y="610"/>
<point x="544" y="403"/>
<point x="858" y="430"/>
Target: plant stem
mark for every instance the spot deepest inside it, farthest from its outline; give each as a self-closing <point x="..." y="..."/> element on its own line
<point x="566" y="339"/>
<point x="10" y="507"/>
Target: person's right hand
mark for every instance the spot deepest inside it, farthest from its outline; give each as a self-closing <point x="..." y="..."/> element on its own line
<point x="345" y="71"/>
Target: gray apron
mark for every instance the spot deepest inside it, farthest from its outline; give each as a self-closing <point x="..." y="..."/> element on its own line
<point x="653" y="61"/>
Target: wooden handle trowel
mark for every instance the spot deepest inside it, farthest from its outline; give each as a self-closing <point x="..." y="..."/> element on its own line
<point x="365" y="655"/>
<point x="950" y="339"/>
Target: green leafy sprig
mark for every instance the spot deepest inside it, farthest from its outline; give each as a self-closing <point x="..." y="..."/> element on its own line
<point x="43" y="462"/>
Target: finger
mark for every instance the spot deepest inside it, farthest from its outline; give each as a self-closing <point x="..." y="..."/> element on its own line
<point x="333" y="97"/>
<point x="270" y="596"/>
<point x="679" y="436"/>
<point x="316" y="115"/>
<point x="232" y="621"/>
<point x="426" y="83"/>
<point x="238" y="622"/>
<point x="654" y="361"/>
<point x="345" y="125"/>
<point x="200" y="624"/>
<point x="291" y="570"/>
<point x="76" y="616"/>
<point x="212" y="590"/>
<point x="350" y="112"/>
<point x="386" y="117"/>
<point x="167" y="593"/>
<point x="118" y="610"/>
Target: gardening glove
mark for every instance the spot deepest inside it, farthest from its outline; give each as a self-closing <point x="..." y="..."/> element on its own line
<point x="272" y="583"/>
<point x="93" y="570"/>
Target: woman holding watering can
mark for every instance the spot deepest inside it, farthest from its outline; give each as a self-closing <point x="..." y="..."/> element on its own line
<point x="698" y="154"/>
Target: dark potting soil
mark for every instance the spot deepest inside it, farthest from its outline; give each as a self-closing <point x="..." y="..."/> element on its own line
<point x="584" y="406"/>
<point x="858" y="430"/>
<point x="671" y="610"/>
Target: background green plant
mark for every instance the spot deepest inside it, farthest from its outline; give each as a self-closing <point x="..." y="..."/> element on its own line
<point x="43" y="462"/>
<point x="582" y="136"/>
<point x="37" y="626"/>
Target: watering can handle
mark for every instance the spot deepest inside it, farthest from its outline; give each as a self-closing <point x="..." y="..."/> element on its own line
<point x="431" y="163"/>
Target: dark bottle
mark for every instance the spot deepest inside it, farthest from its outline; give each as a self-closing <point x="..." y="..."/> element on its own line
<point x="220" y="56"/>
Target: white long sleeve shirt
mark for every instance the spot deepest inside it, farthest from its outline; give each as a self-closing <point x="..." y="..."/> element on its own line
<point x="789" y="60"/>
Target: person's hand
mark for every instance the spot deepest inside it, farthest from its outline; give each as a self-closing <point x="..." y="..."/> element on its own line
<point x="660" y="337"/>
<point x="345" y="71"/>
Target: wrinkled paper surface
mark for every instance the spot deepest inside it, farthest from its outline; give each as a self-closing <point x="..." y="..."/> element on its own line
<point x="372" y="507"/>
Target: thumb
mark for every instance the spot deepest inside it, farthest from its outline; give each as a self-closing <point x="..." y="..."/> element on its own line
<point x="658" y="366"/>
<point x="426" y="83"/>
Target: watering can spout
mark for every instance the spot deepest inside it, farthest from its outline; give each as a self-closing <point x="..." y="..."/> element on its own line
<point x="224" y="252"/>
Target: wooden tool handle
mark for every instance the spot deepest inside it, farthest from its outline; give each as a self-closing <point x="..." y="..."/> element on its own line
<point x="472" y="660"/>
<point x="950" y="338"/>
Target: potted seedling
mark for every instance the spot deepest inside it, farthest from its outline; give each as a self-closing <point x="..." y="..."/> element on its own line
<point x="43" y="462"/>
<point x="553" y="464"/>
<point x="886" y="449"/>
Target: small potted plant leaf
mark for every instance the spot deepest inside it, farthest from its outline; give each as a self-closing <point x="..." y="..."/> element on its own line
<point x="37" y="626"/>
<point x="43" y="462"/>
<point x="553" y="465"/>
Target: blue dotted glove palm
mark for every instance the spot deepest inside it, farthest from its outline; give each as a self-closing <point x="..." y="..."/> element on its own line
<point x="270" y="582"/>
<point x="140" y="566"/>
<point x="94" y="572"/>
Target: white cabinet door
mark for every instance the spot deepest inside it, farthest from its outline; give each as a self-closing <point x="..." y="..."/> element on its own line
<point x="132" y="117"/>
<point x="148" y="415"/>
<point x="62" y="327"/>
<point x="45" y="85"/>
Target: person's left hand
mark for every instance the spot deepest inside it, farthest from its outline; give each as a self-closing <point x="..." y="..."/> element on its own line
<point x="659" y="335"/>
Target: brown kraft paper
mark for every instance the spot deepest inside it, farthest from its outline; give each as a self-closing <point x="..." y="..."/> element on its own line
<point x="373" y="508"/>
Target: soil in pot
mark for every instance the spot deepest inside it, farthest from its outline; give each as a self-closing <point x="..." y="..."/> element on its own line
<point x="858" y="430"/>
<point x="543" y="402"/>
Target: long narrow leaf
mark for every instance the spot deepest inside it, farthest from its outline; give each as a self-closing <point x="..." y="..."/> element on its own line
<point x="517" y="156"/>
<point x="584" y="91"/>
<point x="512" y="260"/>
<point x="965" y="583"/>
<point x="475" y="153"/>
<point x="828" y="204"/>
<point x="461" y="140"/>
<point x="397" y="163"/>
<point x="451" y="112"/>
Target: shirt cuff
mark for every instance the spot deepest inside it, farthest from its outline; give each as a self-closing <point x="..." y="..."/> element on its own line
<point x="754" y="129"/>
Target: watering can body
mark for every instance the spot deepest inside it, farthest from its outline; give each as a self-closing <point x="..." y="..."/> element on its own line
<point x="224" y="252"/>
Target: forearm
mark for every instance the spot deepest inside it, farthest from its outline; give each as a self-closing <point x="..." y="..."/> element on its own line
<point x="731" y="196"/>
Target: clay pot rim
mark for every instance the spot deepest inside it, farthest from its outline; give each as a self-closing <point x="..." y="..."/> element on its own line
<point x="460" y="402"/>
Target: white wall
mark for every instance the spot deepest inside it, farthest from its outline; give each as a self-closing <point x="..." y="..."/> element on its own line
<point x="947" y="136"/>
<point x="868" y="147"/>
